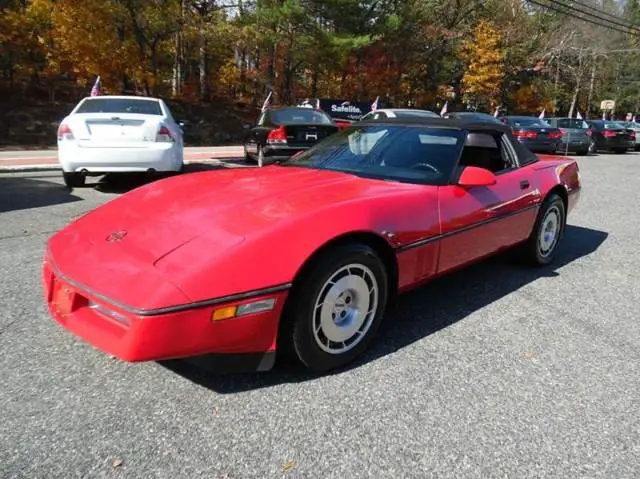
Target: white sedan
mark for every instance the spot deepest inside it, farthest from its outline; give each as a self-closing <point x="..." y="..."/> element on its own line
<point x="118" y="134"/>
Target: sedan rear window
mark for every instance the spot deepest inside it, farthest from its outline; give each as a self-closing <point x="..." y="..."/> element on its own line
<point x="120" y="105"/>
<point x="571" y="123"/>
<point x="534" y="122"/>
<point x="300" y="115"/>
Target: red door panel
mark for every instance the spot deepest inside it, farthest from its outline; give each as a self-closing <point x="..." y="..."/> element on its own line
<point x="481" y="220"/>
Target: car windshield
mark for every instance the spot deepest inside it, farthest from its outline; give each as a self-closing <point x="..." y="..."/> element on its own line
<point x="413" y="154"/>
<point x="120" y="105"/>
<point x="300" y="115"/>
<point x="572" y="123"/>
<point x="535" y="122"/>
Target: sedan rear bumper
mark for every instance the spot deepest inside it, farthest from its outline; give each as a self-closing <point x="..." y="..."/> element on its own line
<point x="615" y="144"/>
<point x="156" y="156"/>
<point x="547" y="146"/>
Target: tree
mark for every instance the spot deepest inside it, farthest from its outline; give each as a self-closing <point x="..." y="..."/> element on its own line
<point x="482" y="81"/>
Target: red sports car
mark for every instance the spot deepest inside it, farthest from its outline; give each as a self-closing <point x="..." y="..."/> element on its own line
<point x="304" y="256"/>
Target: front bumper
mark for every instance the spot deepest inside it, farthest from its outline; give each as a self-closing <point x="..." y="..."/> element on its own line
<point x="138" y="337"/>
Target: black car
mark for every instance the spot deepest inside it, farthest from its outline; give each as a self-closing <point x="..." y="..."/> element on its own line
<point x="282" y="132"/>
<point x="472" y="116"/>
<point x="611" y="135"/>
<point x="536" y="134"/>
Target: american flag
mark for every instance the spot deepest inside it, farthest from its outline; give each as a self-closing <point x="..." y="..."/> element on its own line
<point x="267" y="102"/>
<point x="579" y="116"/>
<point x="444" y="108"/>
<point x="374" y="105"/>
<point x="95" y="91"/>
<point x="544" y="110"/>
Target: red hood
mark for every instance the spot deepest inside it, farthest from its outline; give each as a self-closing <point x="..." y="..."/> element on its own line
<point x="220" y="207"/>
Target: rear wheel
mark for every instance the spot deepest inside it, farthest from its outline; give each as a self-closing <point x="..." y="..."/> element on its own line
<point x="540" y="248"/>
<point x="73" y="180"/>
<point x="592" y="147"/>
<point x="620" y="151"/>
<point x="583" y="152"/>
<point x="336" y="308"/>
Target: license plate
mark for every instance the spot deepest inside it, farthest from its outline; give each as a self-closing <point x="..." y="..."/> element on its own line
<point x="63" y="300"/>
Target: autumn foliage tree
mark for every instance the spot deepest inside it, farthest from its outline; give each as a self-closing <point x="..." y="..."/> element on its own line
<point x="409" y="53"/>
<point x="482" y="54"/>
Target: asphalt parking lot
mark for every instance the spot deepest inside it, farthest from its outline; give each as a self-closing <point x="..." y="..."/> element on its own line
<point x="499" y="370"/>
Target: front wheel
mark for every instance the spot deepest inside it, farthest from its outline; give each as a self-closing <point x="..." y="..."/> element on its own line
<point x="540" y="248"/>
<point x="336" y="308"/>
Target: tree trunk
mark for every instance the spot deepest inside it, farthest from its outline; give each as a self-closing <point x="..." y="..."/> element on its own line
<point x="271" y="67"/>
<point x="314" y="81"/>
<point x="256" y="82"/>
<point x="202" y="66"/>
<point x="591" y="86"/>
<point x="574" y="100"/>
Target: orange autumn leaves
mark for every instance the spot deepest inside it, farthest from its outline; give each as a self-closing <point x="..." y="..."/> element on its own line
<point x="484" y="58"/>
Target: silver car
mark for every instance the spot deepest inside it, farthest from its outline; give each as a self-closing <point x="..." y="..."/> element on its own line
<point x="636" y="128"/>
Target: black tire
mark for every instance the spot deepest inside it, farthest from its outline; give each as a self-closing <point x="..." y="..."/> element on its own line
<point x="532" y="250"/>
<point x="620" y="151"/>
<point x="73" y="180"/>
<point x="593" y="147"/>
<point x="297" y="339"/>
<point x="583" y="152"/>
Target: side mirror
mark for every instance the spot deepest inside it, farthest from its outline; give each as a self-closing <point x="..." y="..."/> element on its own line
<point x="474" y="176"/>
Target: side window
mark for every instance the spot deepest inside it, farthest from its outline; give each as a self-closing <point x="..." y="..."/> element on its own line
<point x="487" y="150"/>
<point x="524" y="154"/>
<point x="379" y="114"/>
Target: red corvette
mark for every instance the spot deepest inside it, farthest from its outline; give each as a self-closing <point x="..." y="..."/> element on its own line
<point x="302" y="256"/>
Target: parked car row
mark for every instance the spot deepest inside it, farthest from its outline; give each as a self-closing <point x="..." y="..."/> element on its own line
<point x="107" y="134"/>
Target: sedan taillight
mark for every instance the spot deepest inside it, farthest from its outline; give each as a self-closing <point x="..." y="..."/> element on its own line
<point x="164" y="135"/>
<point x="278" y="136"/>
<point x="64" y="132"/>
<point x="609" y="133"/>
<point x="526" y="134"/>
<point x="554" y="135"/>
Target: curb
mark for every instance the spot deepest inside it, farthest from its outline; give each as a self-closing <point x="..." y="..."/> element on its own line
<point x="210" y="158"/>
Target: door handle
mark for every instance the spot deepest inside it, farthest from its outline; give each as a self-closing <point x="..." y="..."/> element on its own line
<point x="524" y="185"/>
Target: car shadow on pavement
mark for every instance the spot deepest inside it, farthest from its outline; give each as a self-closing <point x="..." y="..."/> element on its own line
<point x="25" y="192"/>
<point x="419" y="313"/>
